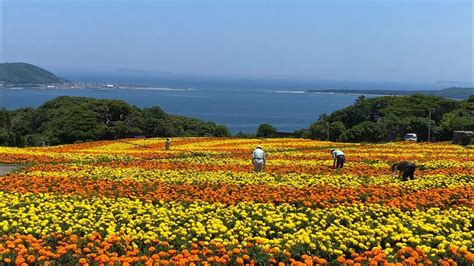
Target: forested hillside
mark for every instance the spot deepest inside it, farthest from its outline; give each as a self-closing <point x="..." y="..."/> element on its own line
<point x="23" y="73"/>
<point x="72" y="119"/>
<point x="391" y="117"/>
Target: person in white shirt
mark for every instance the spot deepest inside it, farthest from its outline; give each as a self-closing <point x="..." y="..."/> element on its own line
<point x="258" y="159"/>
<point x="339" y="159"/>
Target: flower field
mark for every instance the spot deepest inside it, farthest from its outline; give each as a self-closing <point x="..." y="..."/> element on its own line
<point x="132" y="202"/>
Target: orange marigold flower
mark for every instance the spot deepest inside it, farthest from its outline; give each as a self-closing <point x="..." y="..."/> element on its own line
<point x="341" y="259"/>
<point x="469" y="257"/>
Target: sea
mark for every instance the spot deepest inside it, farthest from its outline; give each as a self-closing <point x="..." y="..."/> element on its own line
<point x="239" y="105"/>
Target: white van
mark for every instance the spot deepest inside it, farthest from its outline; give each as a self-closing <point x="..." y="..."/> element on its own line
<point x="411" y="137"/>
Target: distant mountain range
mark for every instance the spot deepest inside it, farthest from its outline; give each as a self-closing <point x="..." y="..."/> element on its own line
<point x="26" y="74"/>
<point x="453" y="92"/>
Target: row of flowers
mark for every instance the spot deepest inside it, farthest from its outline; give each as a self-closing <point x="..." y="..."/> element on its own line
<point x="119" y="249"/>
<point x="110" y="171"/>
<point x="283" y="150"/>
<point x="317" y="196"/>
<point x="326" y="233"/>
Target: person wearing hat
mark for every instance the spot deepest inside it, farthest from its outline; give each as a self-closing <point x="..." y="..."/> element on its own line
<point x="258" y="159"/>
<point x="167" y="144"/>
<point x="339" y="158"/>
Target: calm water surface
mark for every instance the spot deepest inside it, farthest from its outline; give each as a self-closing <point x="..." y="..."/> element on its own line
<point x="239" y="109"/>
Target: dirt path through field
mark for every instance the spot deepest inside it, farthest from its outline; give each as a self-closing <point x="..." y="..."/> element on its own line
<point x="6" y="169"/>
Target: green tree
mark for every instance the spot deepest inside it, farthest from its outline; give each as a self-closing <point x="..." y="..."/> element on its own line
<point x="365" y="132"/>
<point x="459" y="119"/>
<point x="22" y="121"/>
<point x="221" y="131"/>
<point x="318" y="130"/>
<point x="155" y="124"/>
<point x="419" y="126"/>
<point x="5" y="118"/>
<point x="265" y="131"/>
<point x="394" y="127"/>
<point x="70" y="119"/>
<point x="7" y="137"/>
<point x="336" y="129"/>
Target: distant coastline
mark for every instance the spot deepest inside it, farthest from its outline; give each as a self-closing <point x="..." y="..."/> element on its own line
<point x="17" y="76"/>
<point x="457" y="93"/>
<point x="76" y="85"/>
<point x="23" y="75"/>
<point x="452" y="93"/>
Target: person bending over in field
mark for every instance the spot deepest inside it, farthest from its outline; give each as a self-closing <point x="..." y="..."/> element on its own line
<point x="339" y="159"/>
<point x="258" y="159"/>
<point x="406" y="170"/>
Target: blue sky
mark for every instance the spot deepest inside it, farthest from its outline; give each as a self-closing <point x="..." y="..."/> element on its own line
<point x="400" y="41"/>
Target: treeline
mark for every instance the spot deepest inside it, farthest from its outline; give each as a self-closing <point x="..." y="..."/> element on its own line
<point x="75" y="119"/>
<point x="72" y="119"/>
<point x="390" y="118"/>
